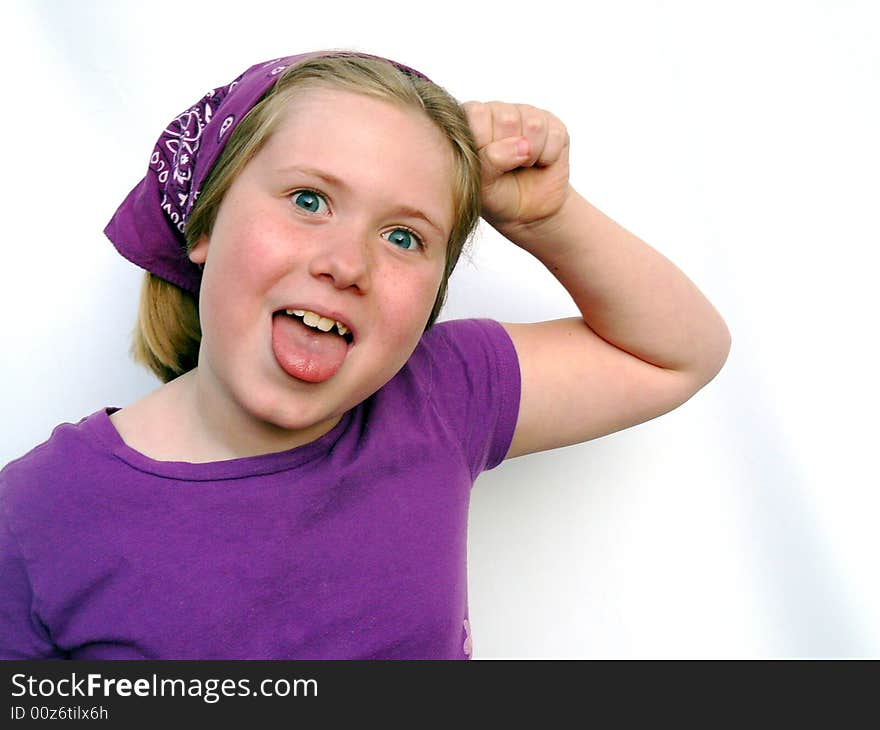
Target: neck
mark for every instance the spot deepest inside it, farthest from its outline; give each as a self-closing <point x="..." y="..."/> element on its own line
<point x="199" y="424"/>
<point x="218" y="428"/>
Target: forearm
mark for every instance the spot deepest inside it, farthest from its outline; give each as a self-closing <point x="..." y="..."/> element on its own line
<point x="627" y="292"/>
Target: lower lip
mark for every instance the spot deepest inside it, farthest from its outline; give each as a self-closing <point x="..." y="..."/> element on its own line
<point x="298" y="373"/>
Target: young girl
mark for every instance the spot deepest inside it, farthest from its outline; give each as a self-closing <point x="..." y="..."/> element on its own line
<point x="298" y="488"/>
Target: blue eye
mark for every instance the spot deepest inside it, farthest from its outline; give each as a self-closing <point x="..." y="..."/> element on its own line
<point x="311" y="197"/>
<point x="408" y="237"/>
<point x="403" y="237"/>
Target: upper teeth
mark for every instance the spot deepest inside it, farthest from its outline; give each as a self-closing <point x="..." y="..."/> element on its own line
<point x="316" y="320"/>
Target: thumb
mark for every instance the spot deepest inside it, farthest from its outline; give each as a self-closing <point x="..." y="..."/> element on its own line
<point x="502" y="156"/>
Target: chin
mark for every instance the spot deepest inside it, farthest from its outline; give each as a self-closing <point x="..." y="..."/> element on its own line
<point x="295" y="414"/>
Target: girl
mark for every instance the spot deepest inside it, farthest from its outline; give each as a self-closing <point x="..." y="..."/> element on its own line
<point x="298" y="487"/>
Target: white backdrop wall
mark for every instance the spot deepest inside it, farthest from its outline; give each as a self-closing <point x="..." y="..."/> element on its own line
<point x="739" y="139"/>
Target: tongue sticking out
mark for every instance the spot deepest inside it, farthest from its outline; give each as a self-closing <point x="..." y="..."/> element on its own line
<point x="304" y="352"/>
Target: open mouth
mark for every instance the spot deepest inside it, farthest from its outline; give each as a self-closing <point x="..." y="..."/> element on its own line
<point x="309" y="347"/>
<point x="318" y="325"/>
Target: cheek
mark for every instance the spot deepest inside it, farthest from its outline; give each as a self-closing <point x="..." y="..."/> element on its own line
<point x="248" y="263"/>
<point x="410" y="309"/>
<point x="234" y="292"/>
<point x="257" y="252"/>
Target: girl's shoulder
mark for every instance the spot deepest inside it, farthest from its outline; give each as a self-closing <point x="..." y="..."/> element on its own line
<point x="73" y="444"/>
<point x="473" y="386"/>
<point x="45" y="473"/>
<point x="73" y="450"/>
<point x="53" y="450"/>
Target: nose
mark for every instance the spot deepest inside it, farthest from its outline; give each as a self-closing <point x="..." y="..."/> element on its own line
<point x="344" y="258"/>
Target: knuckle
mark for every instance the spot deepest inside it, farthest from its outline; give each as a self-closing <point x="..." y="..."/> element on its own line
<point x="535" y="124"/>
<point x="559" y="133"/>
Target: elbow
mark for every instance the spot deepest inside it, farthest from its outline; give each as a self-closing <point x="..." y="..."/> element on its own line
<point x="712" y="359"/>
<point x="721" y="351"/>
<point x="726" y="341"/>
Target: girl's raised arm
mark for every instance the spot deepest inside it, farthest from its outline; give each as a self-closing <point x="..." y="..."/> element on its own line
<point x="648" y="339"/>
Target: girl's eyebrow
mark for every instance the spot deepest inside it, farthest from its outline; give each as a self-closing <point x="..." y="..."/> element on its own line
<point x="333" y="180"/>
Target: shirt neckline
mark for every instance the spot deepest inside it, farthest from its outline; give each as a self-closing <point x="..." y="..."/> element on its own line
<point x="102" y="427"/>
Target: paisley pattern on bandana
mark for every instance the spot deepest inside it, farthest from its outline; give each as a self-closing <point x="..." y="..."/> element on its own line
<point x="175" y="153"/>
<point x="225" y="126"/>
<point x="174" y="156"/>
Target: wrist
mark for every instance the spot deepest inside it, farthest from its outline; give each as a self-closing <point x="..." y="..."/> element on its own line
<point x="555" y="229"/>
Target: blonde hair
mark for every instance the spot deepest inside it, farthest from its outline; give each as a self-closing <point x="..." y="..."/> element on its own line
<point x="168" y="333"/>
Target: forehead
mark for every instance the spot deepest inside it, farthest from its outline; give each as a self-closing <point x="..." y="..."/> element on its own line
<point x="381" y="150"/>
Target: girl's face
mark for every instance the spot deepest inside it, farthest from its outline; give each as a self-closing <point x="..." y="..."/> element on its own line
<point x="285" y="237"/>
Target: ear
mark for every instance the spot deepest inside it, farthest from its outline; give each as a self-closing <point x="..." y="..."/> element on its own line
<point x="198" y="254"/>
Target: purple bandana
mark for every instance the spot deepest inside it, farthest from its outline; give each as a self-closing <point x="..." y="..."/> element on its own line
<point x="148" y="227"/>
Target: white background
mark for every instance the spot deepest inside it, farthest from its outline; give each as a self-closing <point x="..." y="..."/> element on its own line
<point x="739" y="139"/>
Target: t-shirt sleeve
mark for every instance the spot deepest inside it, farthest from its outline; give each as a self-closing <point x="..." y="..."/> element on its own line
<point x="476" y="388"/>
<point x="22" y="635"/>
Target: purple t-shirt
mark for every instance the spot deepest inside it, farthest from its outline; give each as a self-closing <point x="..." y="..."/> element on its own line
<point x="350" y="547"/>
